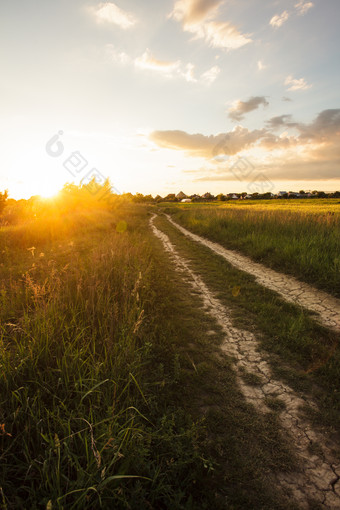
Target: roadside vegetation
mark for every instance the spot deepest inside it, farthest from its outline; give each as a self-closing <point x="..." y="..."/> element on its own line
<point x="112" y="392"/>
<point x="301" y="238"/>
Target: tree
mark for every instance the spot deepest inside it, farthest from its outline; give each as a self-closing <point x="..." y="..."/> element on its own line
<point x="3" y="200"/>
<point x="171" y="197"/>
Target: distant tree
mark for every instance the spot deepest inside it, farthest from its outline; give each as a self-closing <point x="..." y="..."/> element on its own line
<point x="221" y="197"/>
<point x="127" y="196"/>
<point x="208" y="196"/>
<point x="3" y="200"/>
<point x="148" y="198"/>
<point x="321" y="194"/>
<point x="138" y="197"/>
<point x="301" y="192"/>
<point x="171" y="197"/>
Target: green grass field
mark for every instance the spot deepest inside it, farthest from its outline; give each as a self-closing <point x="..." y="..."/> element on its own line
<point x="114" y="393"/>
<point x="298" y="237"/>
<point x="104" y="376"/>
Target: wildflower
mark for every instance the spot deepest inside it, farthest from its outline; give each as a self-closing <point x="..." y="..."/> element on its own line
<point x="3" y="431"/>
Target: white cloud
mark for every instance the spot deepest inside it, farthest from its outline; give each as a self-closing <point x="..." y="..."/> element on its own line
<point x="302" y="7"/>
<point x="188" y="74"/>
<point x="195" y="11"/>
<point x="296" y="84"/>
<point x="148" y="61"/>
<point x="210" y="76"/>
<point x="260" y="65"/>
<point x="199" y="18"/>
<point x="279" y="19"/>
<point x="173" y="69"/>
<point x="117" y="56"/>
<point x="111" y="13"/>
<point x="223" y="35"/>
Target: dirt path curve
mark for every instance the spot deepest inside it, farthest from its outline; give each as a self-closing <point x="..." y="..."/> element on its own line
<point x="319" y="477"/>
<point x="325" y="306"/>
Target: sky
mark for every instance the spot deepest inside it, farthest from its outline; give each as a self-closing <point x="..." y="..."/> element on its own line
<point x="161" y="96"/>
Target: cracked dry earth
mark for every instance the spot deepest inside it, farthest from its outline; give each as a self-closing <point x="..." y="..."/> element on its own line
<point x="326" y="307"/>
<point x="318" y="479"/>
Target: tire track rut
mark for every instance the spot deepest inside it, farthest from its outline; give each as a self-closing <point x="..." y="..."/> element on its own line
<point x="325" y="306"/>
<point x="318" y="480"/>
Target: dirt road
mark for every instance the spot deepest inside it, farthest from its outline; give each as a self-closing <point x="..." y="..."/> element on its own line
<point x="318" y="479"/>
<point x="326" y="307"/>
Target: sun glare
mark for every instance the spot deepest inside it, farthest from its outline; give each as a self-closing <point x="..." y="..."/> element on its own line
<point x="49" y="191"/>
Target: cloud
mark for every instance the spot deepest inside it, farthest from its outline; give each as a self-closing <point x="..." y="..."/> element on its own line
<point x="111" y="13"/>
<point x="148" y="61"/>
<point x="295" y="84"/>
<point x="325" y="127"/>
<point x="260" y="65"/>
<point x="240" y="108"/>
<point x="312" y="154"/>
<point x="195" y="11"/>
<point x="199" y="18"/>
<point x="189" y="73"/>
<point x="210" y="76"/>
<point x="280" y="121"/>
<point x="172" y="69"/>
<point x="279" y="19"/>
<point x="302" y="7"/>
<point x="117" y="56"/>
<point x="198" y="145"/>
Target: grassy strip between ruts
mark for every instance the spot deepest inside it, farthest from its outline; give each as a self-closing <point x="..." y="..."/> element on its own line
<point x="311" y="353"/>
<point x="304" y="243"/>
<point x="106" y="373"/>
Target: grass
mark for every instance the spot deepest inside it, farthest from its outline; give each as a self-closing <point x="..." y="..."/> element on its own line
<point x="301" y="238"/>
<point x="112" y="392"/>
<point x="303" y="353"/>
<point x="77" y="425"/>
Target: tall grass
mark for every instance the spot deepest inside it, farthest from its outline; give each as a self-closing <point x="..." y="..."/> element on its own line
<point x="80" y="424"/>
<point x="305" y="244"/>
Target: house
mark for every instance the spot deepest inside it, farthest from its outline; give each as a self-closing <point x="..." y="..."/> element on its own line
<point x="181" y="195"/>
<point x="186" y="200"/>
<point x="233" y="196"/>
<point x="281" y="194"/>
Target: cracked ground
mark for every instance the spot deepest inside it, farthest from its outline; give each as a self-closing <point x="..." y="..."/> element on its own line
<point x="318" y="479"/>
